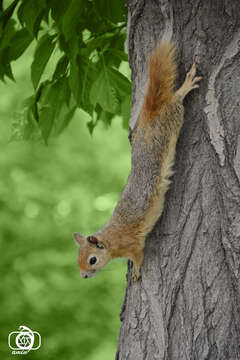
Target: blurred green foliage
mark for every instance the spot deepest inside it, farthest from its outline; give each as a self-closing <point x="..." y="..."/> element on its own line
<point x="47" y="193"/>
<point x="82" y="41"/>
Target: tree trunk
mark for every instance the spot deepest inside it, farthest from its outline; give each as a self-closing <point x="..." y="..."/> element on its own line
<point x="187" y="304"/>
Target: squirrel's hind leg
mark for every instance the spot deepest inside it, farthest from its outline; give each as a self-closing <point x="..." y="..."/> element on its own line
<point x="189" y="84"/>
<point x="137" y="262"/>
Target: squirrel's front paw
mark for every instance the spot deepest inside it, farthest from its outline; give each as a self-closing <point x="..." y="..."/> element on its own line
<point x="192" y="80"/>
<point x="190" y="83"/>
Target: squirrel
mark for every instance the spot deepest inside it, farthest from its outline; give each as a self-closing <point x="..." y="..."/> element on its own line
<point x="153" y="142"/>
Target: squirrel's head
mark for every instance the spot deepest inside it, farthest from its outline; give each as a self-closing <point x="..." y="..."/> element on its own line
<point x="93" y="255"/>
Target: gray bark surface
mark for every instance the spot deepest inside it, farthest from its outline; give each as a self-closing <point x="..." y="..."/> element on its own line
<point x="187" y="304"/>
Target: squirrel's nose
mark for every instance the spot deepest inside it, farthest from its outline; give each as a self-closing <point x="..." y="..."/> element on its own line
<point x="84" y="275"/>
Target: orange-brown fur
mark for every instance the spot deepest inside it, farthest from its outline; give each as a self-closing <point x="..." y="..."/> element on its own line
<point x="153" y="150"/>
<point x="162" y="74"/>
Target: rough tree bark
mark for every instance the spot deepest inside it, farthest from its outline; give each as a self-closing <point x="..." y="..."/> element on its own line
<point x="187" y="305"/>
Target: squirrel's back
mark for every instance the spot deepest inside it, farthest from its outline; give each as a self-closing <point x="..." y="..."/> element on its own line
<point x="162" y="69"/>
<point x="158" y="123"/>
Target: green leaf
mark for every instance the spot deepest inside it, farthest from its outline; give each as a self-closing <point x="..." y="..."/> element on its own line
<point x="86" y="73"/>
<point x="5" y="67"/>
<point x="91" y="125"/>
<point x="114" y="57"/>
<point x="75" y="85"/>
<point x="106" y="118"/>
<point x="6" y="15"/>
<point x="61" y="67"/>
<point x="31" y="13"/>
<point x="42" y="54"/>
<point x="46" y="120"/>
<point x="53" y="98"/>
<point x="118" y="54"/>
<point x="100" y="42"/>
<point x="103" y="93"/>
<point x="65" y="118"/>
<point x="120" y="82"/>
<point x="109" y="87"/>
<point x="115" y="11"/>
<point x="102" y="115"/>
<point x="19" y="43"/>
<point x="8" y="33"/>
<point x="71" y="19"/>
<point x="58" y="9"/>
<point x="5" y="40"/>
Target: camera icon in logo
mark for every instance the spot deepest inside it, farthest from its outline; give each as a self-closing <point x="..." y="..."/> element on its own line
<point x="24" y="340"/>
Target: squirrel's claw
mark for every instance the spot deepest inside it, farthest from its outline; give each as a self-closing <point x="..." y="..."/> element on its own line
<point x="197" y="79"/>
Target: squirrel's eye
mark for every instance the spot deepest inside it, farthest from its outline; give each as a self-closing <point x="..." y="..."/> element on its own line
<point x="92" y="260"/>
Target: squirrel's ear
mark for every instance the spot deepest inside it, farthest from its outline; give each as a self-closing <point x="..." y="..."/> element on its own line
<point x="93" y="240"/>
<point x="79" y="239"/>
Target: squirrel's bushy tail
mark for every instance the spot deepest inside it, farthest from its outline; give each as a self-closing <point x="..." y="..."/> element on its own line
<point x="162" y="74"/>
